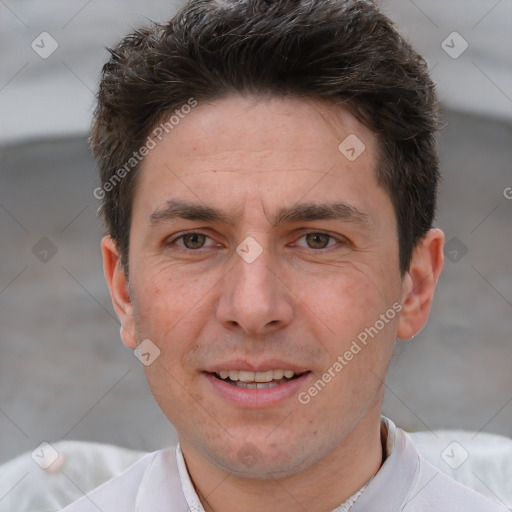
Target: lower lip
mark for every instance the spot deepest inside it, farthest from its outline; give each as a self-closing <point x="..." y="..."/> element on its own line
<point x="257" y="398"/>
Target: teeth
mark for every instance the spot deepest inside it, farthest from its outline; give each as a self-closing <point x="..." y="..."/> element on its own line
<point x="255" y="377"/>
<point x="254" y="385"/>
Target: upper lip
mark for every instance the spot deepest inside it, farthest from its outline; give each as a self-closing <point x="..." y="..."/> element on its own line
<point x="262" y="366"/>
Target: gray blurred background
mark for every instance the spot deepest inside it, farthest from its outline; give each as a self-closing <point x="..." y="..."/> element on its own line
<point x="64" y="373"/>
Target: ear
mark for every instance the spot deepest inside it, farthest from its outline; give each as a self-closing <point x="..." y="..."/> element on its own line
<point x="117" y="282"/>
<point x="419" y="284"/>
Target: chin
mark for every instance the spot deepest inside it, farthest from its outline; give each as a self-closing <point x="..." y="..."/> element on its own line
<point x="262" y="461"/>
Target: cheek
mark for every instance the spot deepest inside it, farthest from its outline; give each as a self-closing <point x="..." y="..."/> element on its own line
<point x="164" y="297"/>
<point x="345" y="312"/>
<point x="173" y="392"/>
<point x="169" y="310"/>
<point x="343" y="302"/>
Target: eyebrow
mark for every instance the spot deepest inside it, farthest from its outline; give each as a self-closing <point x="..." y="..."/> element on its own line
<point x="180" y="209"/>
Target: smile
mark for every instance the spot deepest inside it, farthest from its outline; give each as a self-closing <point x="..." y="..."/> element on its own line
<point x="256" y="380"/>
<point x="248" y="389"/>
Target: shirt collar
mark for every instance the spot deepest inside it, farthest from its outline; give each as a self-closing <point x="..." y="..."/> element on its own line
<point x="188" y="489"/>
<point x="394" y="480"/>
<point x="161" y="488"/>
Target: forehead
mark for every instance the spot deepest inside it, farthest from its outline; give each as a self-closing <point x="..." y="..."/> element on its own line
<point x="239" y="150"/>
<point x="270" y="126"/>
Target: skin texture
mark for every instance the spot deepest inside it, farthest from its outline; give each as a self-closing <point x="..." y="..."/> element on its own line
<point x="303" y="300"/>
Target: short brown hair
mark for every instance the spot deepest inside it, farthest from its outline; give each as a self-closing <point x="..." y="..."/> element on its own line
<point x="339" y="51"/>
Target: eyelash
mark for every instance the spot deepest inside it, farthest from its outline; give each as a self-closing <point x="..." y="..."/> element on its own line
<point x="172" y="242"/>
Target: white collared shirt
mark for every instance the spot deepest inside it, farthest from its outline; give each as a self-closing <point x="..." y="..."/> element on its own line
<point x="159" y="482"/>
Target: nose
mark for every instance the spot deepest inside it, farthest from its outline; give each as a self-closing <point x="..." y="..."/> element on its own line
<point x="254" y="297"/>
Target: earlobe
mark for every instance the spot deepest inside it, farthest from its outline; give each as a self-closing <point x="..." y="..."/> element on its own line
<point x="419" y="284"/>
<point x="117" y="282"/>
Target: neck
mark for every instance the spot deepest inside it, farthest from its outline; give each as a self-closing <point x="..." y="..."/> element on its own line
<point x="320" y="488"/>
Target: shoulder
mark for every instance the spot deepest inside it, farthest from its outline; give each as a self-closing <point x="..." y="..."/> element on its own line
<point x="119" y="493"/>
<point x="407" y="482"/>
<point x="152" y="484"/>
<point x="434" y="490"/>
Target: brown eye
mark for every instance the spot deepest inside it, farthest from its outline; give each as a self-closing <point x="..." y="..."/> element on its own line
<point x="194" y="240"/>
<point x="317" y="240"/>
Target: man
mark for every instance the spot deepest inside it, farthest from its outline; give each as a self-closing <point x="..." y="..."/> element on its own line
<point x="269" y="176"/>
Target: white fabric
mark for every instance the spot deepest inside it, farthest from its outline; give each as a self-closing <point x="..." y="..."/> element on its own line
<point x="488" y="467"/>
<point x="26" y="487"/>
<point x="160" y="476"/>
<point x="189" y="492"/>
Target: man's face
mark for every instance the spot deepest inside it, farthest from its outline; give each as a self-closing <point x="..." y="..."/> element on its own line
<point x="294" y="297"/>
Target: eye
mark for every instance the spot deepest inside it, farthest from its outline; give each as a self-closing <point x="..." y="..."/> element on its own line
<point x="318" y="240"/>
<point x="191" y="241"/>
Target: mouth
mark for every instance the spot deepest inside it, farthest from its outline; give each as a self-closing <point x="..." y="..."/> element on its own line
<point x="257" y="380"/>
